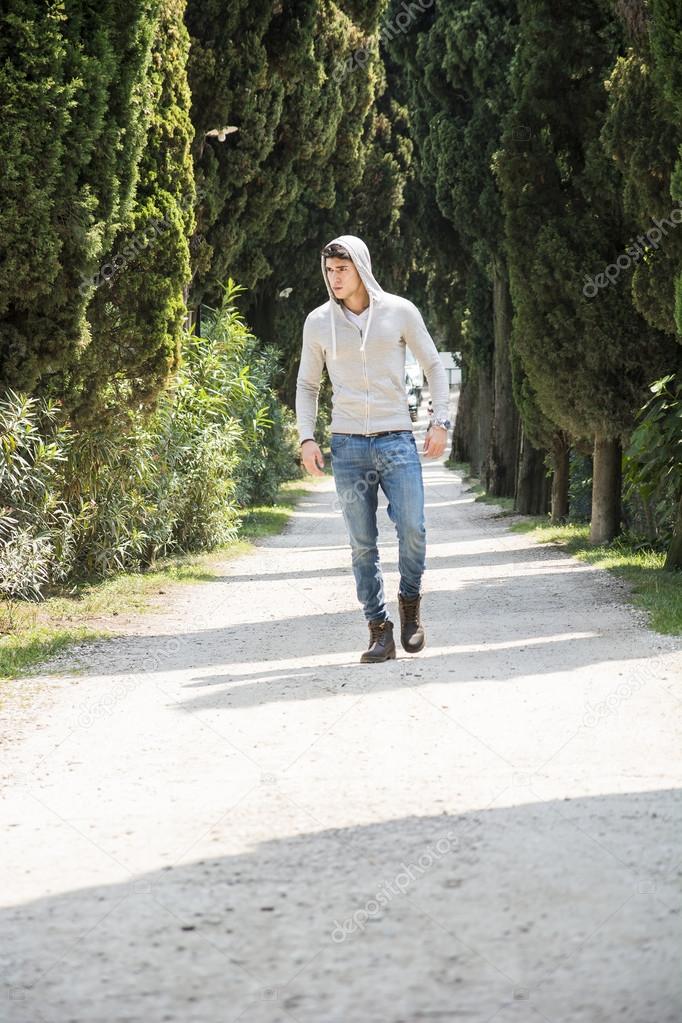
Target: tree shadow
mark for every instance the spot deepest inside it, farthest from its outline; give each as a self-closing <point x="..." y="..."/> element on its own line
<point x="512" y="628"/>
<point x="561" y="910"/>
<point x="513" y="556"/>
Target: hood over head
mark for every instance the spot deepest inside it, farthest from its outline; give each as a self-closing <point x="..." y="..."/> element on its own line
<point x="359" y="253"/>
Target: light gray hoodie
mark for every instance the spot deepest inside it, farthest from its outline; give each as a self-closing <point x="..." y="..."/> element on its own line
<point x="366" y="369"/>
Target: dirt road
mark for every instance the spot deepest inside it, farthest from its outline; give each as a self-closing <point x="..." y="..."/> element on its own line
<point x="222" y="816"/>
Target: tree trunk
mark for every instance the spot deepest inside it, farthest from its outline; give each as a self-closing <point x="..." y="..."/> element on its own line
<point x="560" y="477"/>
<point x="461" y="434"/>
<point x="504" y="445"/>
<point x="532" y="489"/>
<point x="261" y="314"/>
<point x="606" y="490"/>
<point x="674" y="557"/>
<point x="483" y="422"/>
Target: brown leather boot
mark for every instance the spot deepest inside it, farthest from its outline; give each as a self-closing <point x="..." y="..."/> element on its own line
<point x="412" y="634"/>
<point x="381" y="644"/>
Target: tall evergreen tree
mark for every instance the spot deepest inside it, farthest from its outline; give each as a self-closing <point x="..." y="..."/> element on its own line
<point x="458" y="75"/>
<point x="666" y="44"/>
<point x="643" y="134"/>
<point x="70" y="139"/>
<point x="588" y="356"/>
<point x="137" y="315"/>
<point x="275" y="72"/>
<point x="368" y="201"/>
<point x="299" y="81"/>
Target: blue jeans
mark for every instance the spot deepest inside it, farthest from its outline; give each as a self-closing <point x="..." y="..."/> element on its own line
<point x="361" y="465"/>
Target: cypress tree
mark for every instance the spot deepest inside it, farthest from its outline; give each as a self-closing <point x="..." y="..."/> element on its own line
<point x="299" y="82"/>
<point x="642" y="133"/>
<point x="457" y="72"/>
<point x="70" y="139"/>
<point x="138" y="310"/>
<point x="666" y="44"/>
<point x="369" y="200"/>
<point x="587" y="353"/>
<point x="276" y="73"/>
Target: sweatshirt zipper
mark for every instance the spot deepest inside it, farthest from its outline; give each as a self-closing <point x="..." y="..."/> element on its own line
<point x="364" y="365"/>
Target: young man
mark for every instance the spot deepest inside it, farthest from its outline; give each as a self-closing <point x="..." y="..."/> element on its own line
<point x="361" y="334"/>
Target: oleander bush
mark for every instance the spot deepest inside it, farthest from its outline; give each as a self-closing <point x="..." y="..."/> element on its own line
<point x="653" y="466"/>
<point x="139" y="486"/>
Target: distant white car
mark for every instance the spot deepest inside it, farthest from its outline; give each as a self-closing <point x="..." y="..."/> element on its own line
<point x="414" y="376"/>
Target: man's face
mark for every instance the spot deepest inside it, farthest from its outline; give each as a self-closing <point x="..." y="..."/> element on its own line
<point x="343" y="278"/>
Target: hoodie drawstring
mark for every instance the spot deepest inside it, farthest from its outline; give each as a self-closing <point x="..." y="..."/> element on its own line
<point x="331" y="313"/>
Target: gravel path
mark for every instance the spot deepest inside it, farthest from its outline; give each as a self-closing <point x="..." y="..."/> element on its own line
<point x="220" y="815"/>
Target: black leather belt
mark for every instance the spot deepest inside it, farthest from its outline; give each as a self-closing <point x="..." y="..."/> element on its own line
<point x="381" y="433"/>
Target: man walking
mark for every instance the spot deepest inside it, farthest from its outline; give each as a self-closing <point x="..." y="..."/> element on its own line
<point x="361" y="334"/>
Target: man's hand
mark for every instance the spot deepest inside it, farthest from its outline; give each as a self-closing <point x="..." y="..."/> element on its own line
<point x="435" y="441"/>
<point x="312" y="458"/>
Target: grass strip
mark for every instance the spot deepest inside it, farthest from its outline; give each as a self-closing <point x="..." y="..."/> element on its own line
<point x="656" y="591"/>
<point x="32" y="632"/>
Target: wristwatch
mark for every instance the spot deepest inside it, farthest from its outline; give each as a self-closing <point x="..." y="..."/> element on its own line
<point x="441" y="422"/>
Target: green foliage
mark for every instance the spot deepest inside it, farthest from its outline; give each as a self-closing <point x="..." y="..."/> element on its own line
<point x="532" y="137"/>
<point x="451" y="280"/>
<point x="666" y="46"/>
<point x="322" y="149"/>
<point x="242" y="378"/>
<point x="127" y="491"/>
<point x="136" y="315"/>
<point x="580" y="487"/>
<point x="38" y="529"/>
<point x="72" y="91"/>
<point x="272" y="71"/>
<point x="641" y="135"/>
<point x="654" y="458"/>
<point x="587" y="359"/>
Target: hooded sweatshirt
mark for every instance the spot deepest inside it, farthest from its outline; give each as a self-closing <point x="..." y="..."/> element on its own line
<point x="366" y="368"/>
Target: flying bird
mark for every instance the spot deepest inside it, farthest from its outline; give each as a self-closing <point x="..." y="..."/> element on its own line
<point x="221" y="133"/>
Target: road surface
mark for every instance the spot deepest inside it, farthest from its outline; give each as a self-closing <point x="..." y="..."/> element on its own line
<point x="220" y="815"/>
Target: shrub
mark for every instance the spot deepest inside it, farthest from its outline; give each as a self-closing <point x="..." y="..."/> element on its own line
<point x="268" y="444"/>
<point x="139" y="486"/>
<point x="653" y="464"/>
<point x="38" y="528"/>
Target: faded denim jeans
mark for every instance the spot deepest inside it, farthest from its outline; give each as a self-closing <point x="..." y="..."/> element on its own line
<point x="360" y="466"/>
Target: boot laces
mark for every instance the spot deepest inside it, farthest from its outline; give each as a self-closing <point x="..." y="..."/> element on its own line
<point x="410" y="609"/>
<point x="376" y="630"/>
